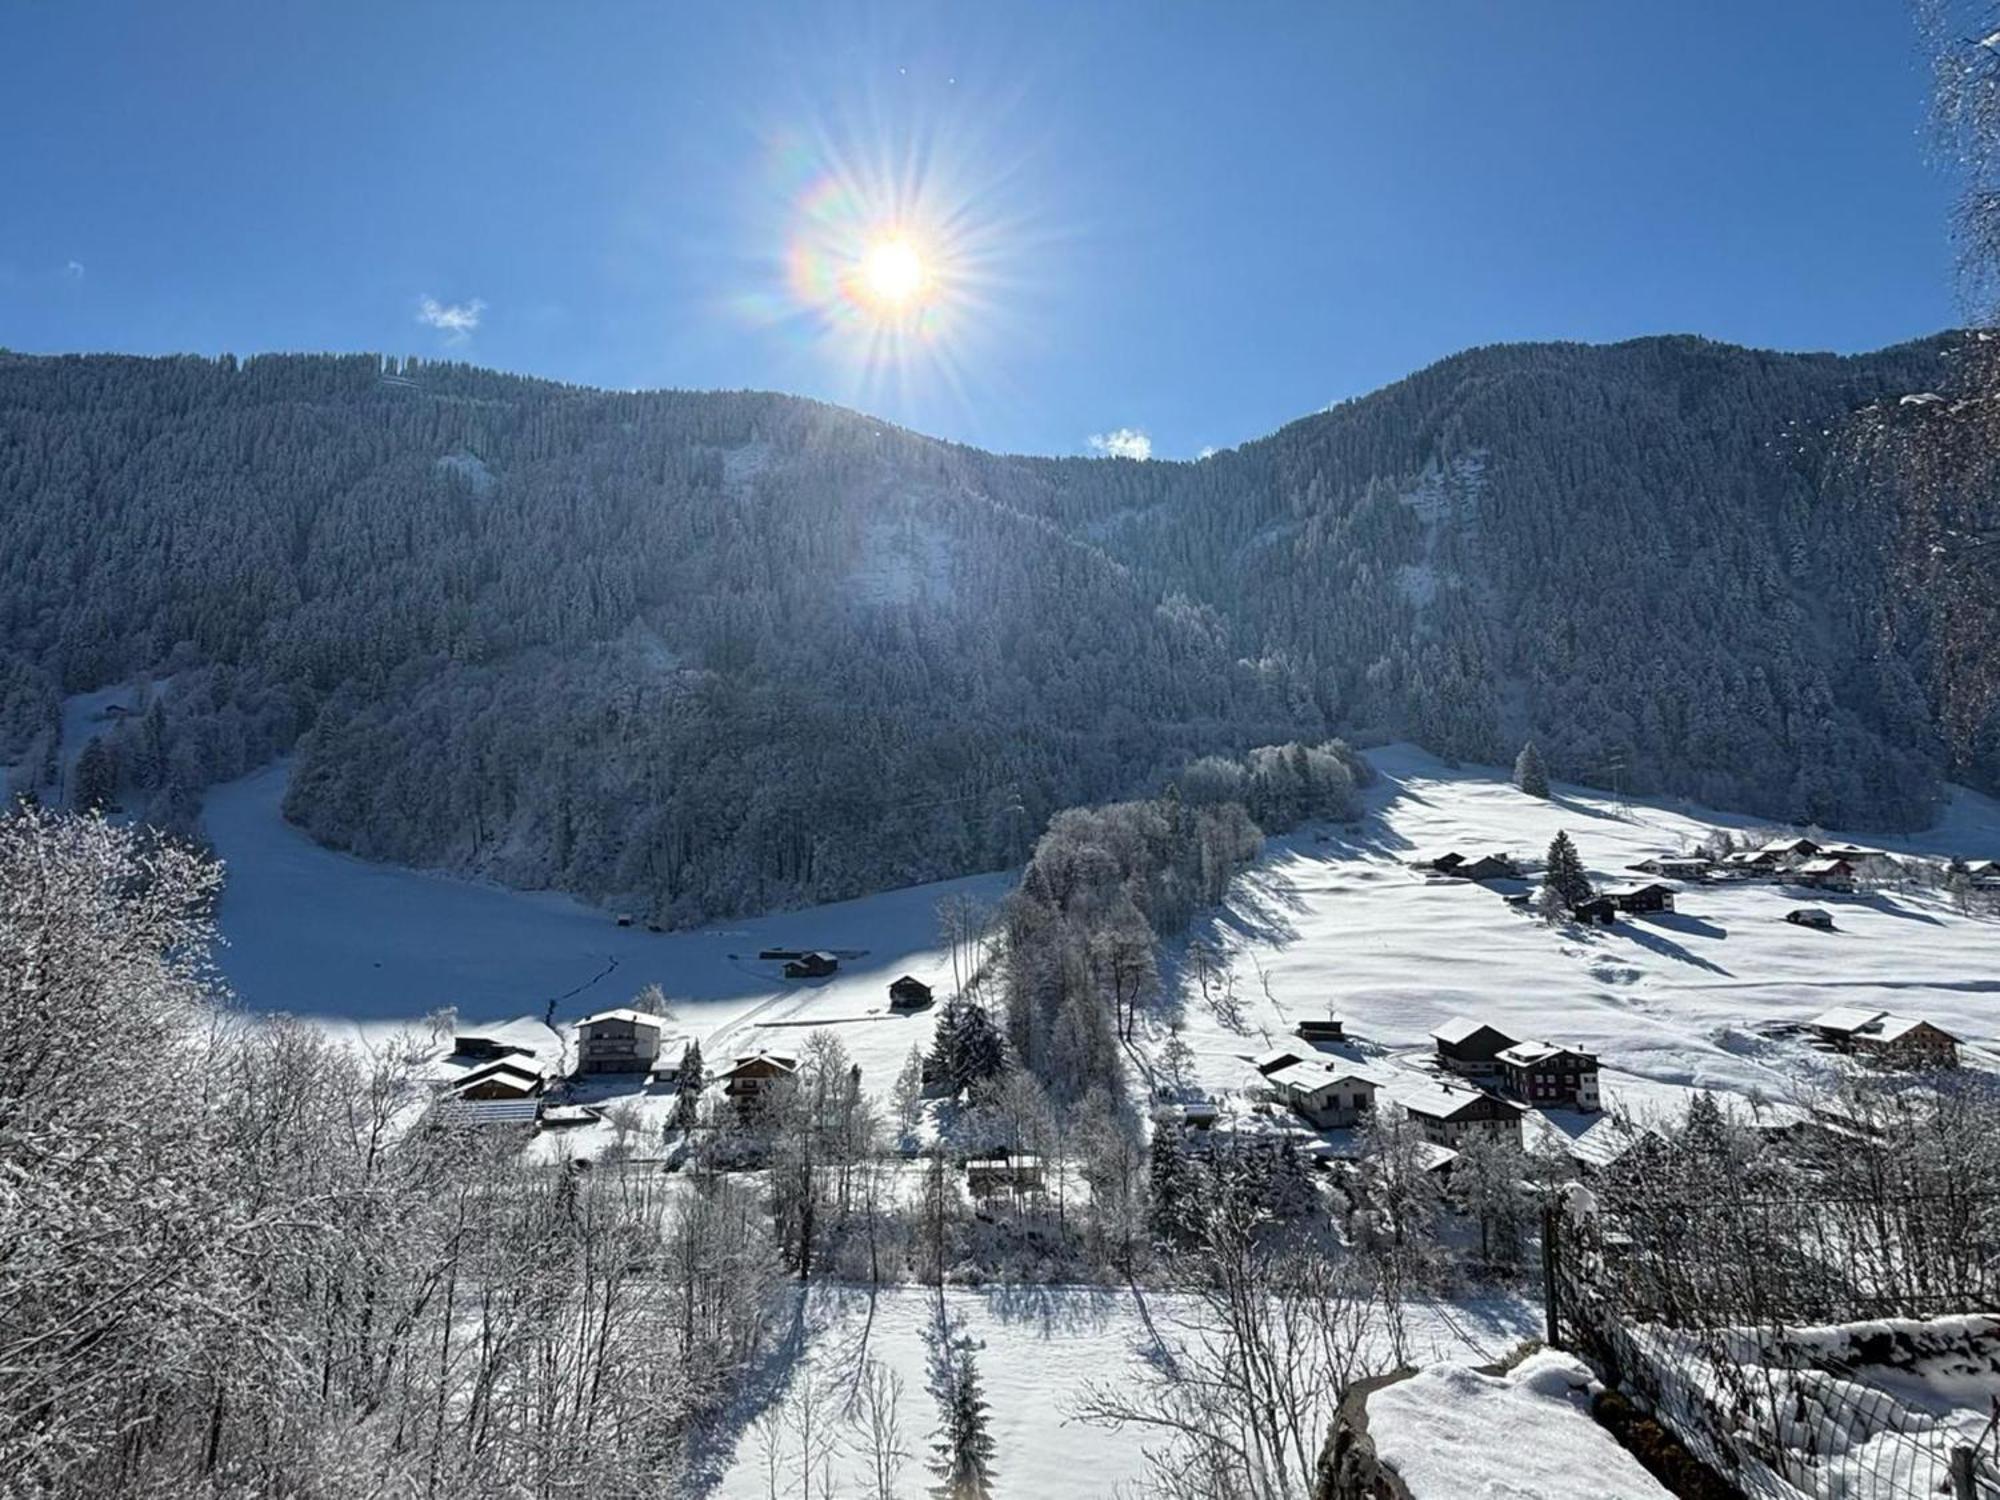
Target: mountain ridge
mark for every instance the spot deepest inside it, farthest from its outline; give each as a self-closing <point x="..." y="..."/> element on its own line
<point x="716" y="652"/>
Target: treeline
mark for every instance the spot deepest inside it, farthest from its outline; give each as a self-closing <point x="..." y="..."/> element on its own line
<point x="714" y="653"/>
<point x="1105" y="883"/>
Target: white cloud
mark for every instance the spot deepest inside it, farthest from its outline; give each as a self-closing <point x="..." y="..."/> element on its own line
<point x="1209" y="450"/>
<point x="74" y="270"/>
<point x="455" y="320"/>
<point x="1125" y="442"/>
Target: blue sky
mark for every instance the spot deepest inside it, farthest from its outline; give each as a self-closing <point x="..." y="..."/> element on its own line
<point x="1191" y="221"/>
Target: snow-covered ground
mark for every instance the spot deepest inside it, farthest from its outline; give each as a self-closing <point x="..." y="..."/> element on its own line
<point x="1452" y="1433"/>
<point x="1336" y="920"/>
<point x="1037" y="1348"/>
<point x="318" y="933"/>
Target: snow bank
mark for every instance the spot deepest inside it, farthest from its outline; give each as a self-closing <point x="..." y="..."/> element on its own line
<point x="1452" y="1433"/>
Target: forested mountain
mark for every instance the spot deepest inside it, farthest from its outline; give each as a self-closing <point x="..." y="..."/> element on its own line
<point x="701" y="653"/>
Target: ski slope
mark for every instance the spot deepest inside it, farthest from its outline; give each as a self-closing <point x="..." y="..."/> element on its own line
<point x="1335" y="919"/>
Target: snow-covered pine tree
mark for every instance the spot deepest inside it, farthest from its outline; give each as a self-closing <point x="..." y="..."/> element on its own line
<point x="1530" y="775"/>
<point x="96" y="783"/>
<point x="962" y="1448"/>
<point x="1565" y="873"/>
<point x="687" y="1102"/>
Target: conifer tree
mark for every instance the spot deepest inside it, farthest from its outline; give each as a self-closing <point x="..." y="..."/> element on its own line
<point x="687" y="1103"/>
<point x="1530" y="775"/>
<point x="962" y="1448"/>
<point x="1565" y="874"/>
<point x="96" y="783"/>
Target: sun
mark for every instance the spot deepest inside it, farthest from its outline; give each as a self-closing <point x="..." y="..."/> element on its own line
<point x="892" y="276"/>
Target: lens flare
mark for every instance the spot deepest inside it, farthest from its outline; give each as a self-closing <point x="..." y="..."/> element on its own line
<point x="892" y="276"/>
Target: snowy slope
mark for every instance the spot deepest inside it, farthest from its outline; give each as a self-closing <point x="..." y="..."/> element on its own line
<point x="319" y="933"/>
<point x="1336" y="919"/>
<point x="1038" y="1347"/>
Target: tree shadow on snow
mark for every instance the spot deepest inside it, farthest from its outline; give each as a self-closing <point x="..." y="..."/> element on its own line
<point x="1054" y="1310"/>
<point x="1666" y="947"/>
<point x="1680" y="921"/>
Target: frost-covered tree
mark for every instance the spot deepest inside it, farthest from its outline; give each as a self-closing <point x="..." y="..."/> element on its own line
<point x="1530" y="775"/>
<point x="693" y="1079"/>
<point x="962" y="1446"/>
<point x="1564" y="874"/>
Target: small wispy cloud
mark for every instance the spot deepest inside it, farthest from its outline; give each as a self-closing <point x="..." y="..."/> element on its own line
<point x="455" y="320"/>
<point x="73" y="270"/>
<point x="1122" y="442"/>
<point x="1209" y="450"/>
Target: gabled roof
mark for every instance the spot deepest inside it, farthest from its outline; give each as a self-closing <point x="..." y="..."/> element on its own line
<point x="1268" y="1063"/>
<point x="1463" y="1029"/>
<point x="1823" y="866"/>
<point x="1787" y="845"/>
<point x="772" y="1059"/>
<point x="1625" y="892"/>
<point x="1891" y="1028"/>
<point x="1845" y="1018"/>
<point x="1441" y="1102"/>
<point x="1526" y="1054"/>
<point x="626" y="1013"/>
<point x="521" y="1070"/>
<point x="1310" y="1077"/>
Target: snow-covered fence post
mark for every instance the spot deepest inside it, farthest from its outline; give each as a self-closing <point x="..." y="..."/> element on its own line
<point x="1962" y="1473"/>
<point x="1551" y="1250"/>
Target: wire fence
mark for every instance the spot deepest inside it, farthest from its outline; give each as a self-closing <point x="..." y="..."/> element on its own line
<point x="1800" y="1349"/>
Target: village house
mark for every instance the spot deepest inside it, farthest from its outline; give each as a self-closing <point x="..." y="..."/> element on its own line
<point x="1642" y="898"/>
<point x="750" y="1077"/>
<point x="909" y="993"/>
<point x="1811" y="916"/>
<point x="1677" y="866"/>
<point x="1783" y="852"/>
<point x="618" y="1041"/>
<point x="812" y="965"/>
<point x="501" y="1079"/>
<point x="1443" y="864"/>
<point x="1326" y="1098"/>
<point x="1984" y="873"/>
<point x="1457" y="1116"/>
<point x="1866" y="863"/>
<point x="1470" y="1047"/>
<point x="1825" y="874"/>
<point x="1892" y="1040"/>
<point x="1487" y="867"/>
<point x="475" y="1045"/>
<point x="1545" y="1075"/>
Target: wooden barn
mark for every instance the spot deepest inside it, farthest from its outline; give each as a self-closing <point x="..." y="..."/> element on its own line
<point x="751" y="1076"/>
<point x="1599" y="911"/>
<point x="1811" y="916"/>
<point x="1470" y="1047"/>
<point x="1321" y="1029"/>
<point x="909" y="993"/>
<point x="812" y="965"/>
<point x="1642" y="898"/>
<point x="988" y="1175"/>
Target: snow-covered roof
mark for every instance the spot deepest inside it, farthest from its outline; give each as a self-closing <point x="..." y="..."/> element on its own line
<point x="1810" y="914"/>
<point x="1440" y="1101"/>
<point x="626" y="1013"/>
<point x="1310" y="1077"/>
<point x="1891" y="1028"/>
<point x="1626" y="892"/>
<point x="1608" y="1140"/>
<point x="1822" y="866"/>
<point x="1526" y="1054"/>
<point x="523" y="1068"/>
<point x="1462" y="1028"/>
<point x="1786" y="846"/>
<point x="749" y="1060"/>
<point x="467" y="1113"/>
<point x="1845" y="1018"/>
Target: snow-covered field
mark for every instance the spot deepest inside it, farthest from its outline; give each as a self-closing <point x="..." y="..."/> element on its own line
<point x="1337" y="920"/>
<point x="1038" y="1347"/>
<point x="317" y="933"/>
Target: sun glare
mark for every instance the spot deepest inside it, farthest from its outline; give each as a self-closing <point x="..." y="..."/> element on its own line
<point x="892" y="276"/>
